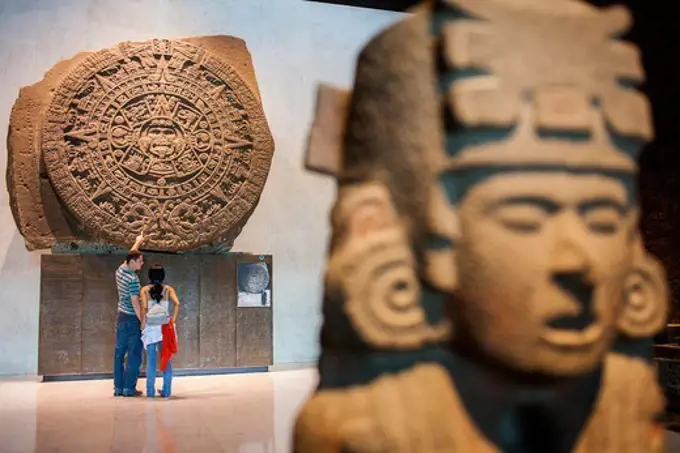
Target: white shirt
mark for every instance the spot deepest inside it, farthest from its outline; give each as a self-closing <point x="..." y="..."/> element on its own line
<point x="154" y="334"/>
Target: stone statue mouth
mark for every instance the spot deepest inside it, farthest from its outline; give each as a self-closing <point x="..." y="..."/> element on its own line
<point x="564" y="338"/>
<point x="578" y="323"/>
<point x="579" y="289"/>
<point x="579" y="330"/>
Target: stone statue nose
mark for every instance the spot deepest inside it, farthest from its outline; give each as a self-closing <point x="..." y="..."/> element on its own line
<point x="568" y="258"/>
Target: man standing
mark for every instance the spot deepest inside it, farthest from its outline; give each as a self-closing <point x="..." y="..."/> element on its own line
<point x="128" y="324"/>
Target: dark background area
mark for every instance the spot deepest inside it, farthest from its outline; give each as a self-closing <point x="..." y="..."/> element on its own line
<point x="656" y="31"/>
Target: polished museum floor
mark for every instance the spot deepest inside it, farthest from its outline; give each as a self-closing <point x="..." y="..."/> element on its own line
<point x="250" y="413"/>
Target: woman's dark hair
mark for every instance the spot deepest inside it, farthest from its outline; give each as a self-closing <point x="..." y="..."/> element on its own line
<point x="157" y="276"/>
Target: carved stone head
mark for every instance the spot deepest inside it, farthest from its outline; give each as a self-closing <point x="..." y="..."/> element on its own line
<point x="506" y="223"/>
<point x="547" y="261"/>
<point x="546" y="256"/>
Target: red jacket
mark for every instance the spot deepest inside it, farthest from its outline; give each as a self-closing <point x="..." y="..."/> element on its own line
<point x="169" y="347"/>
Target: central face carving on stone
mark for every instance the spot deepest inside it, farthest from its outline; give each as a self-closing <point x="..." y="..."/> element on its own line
<point x="543" y="258"/>
<point x="173" y="144"/>
<point x="158" y="136"/>
<point x="163" y="139"/>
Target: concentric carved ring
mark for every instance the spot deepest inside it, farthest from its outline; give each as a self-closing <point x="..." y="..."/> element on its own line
<point x="376" y="275"/>
<point x="161" y="137"/>
<point x="645" y="299"/>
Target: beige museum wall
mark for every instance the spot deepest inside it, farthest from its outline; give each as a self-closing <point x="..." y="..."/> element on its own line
<point x="295" y="45"/>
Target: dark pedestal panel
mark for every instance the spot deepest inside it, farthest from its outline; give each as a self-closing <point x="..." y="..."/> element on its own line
<point x="78" y="305"/>
<point x="217" y="317"/>
<point x="62" y="286"/>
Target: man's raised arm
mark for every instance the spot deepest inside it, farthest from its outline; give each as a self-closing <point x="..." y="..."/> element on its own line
<point x="138" y="243"/>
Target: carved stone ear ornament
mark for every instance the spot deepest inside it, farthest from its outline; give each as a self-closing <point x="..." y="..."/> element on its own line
<point x="645" y="297"/>
<point x="374" y="269"/>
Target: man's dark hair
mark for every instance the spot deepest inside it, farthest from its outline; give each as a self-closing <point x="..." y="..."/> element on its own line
<point x="132" y="256"/>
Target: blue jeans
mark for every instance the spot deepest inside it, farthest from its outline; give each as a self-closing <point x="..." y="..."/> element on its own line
<point x="152" y="352"/>
<point x="128" y="342"/>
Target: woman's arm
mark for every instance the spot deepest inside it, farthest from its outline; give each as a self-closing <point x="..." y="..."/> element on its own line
<point x="173" y="297"/>
<point x="144" y="293"/>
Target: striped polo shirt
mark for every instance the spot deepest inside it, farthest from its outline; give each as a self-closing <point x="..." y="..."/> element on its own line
<point x="128" y="286"/>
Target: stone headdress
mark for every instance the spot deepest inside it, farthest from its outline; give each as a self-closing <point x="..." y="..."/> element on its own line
<point x="460" y="86"/>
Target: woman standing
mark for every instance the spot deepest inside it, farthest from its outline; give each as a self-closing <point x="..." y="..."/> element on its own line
<point x="156" y="300"/>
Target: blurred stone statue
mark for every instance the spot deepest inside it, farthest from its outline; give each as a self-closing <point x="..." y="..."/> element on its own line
<point x="487" y="289"/>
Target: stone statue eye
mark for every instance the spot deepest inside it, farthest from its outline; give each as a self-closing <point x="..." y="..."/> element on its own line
<point x="603" y="220"/>
<point x="522" y="218"/>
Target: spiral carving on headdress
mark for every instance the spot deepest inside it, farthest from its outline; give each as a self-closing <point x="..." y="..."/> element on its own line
<point x="376" y="276"/>
<point x="645" y="299"/>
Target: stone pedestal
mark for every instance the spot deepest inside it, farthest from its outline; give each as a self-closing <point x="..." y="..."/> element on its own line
<point x="78" y="305"/>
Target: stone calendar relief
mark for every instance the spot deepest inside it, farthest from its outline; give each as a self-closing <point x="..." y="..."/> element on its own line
<point x="163" y="137"/>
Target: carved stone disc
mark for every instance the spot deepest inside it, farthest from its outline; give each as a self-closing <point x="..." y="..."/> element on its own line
<point x="160" y="136"/>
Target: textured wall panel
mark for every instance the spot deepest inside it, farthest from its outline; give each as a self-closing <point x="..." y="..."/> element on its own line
<point x="78" y="313"/>
<point x="254" y="332"/>
<point x="100" y="301"/>
<point x="218" y="312"/>
<point x="61" y="296"/>
<point x="183" y="273"/>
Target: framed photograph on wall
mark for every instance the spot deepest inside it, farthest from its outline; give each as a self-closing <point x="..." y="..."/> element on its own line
<point x="254" y="283"/>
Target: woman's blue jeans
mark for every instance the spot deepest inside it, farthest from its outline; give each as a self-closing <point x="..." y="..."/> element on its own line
<point x="152" y="352"/>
